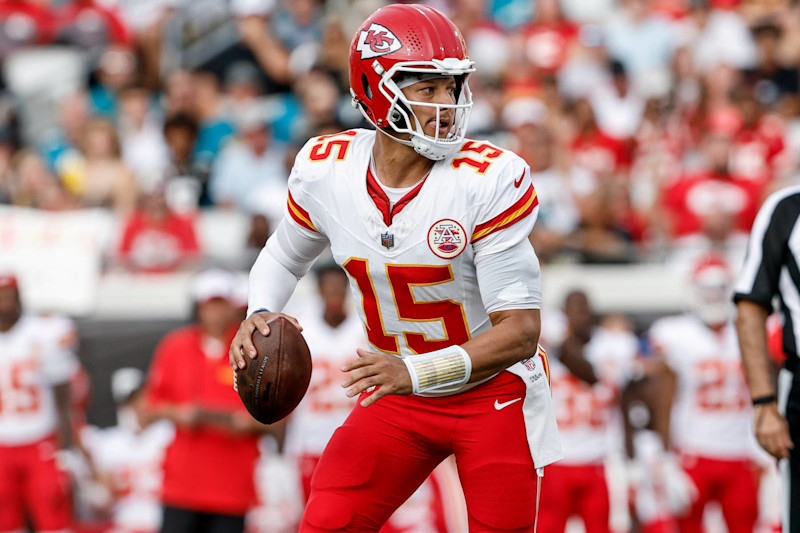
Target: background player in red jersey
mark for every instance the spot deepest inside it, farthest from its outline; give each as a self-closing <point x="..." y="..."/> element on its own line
<point x="432" y="229"/>
<point x="36" y="365"/>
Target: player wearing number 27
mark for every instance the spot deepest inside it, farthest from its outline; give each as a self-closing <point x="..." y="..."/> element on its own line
<point x="432" y="230"/>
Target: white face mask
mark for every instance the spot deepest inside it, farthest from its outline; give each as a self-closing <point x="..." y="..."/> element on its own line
<point x="128" y="419"/>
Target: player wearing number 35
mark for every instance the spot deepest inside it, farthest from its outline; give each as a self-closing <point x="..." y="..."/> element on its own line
<point x="432" y="229"/>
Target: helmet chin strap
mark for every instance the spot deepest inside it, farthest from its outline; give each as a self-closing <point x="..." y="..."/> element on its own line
<point x="432" y="151"/>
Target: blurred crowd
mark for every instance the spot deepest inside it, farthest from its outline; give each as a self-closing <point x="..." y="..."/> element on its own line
<point x="654" y="128"/>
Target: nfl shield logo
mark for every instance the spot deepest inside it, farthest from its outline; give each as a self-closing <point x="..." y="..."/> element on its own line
<point x="387" y="240"/>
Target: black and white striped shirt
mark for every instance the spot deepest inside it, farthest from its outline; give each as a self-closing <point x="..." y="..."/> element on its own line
<point x="771" y="266"/>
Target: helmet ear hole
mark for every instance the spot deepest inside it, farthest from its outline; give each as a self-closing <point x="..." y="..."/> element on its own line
<point x="367" y="88"/>
<point x="396" y="116"/>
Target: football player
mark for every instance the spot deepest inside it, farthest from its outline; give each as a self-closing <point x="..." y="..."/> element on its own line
<point x="590" y="368"/>
<point x="129" y="456"/>
<point x="711" y="414"/>
<point x="333" y="333"/>
<point x="432" y="229"/>
<point x="36" y="366"/>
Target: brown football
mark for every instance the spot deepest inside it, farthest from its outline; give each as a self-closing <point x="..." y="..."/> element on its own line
<point x="272" y="384"/>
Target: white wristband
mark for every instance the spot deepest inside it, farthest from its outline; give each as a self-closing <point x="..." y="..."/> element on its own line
<point x="447" y="367"/>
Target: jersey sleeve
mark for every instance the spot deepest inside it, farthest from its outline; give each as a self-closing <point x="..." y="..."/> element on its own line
<point x="507" y="214"/>
<point x="302" y="209"/>
<point x="767" y="248"/>
<point x="62" y="362"/>
<point x="658" y="341"/>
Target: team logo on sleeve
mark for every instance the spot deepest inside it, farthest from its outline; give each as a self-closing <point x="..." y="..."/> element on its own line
<point x="447" y="239"/>
<point x="377" y="41"/>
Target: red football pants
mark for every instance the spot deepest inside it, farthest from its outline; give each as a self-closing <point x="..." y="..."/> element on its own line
<point x="569" y="490"/>
<point x="734" y="484"/>
<point x="30" y="481"/>
<point x="433" y="503"/>
<point x="382" y="453"/>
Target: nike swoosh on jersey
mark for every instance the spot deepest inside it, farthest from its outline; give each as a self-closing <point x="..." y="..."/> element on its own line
<point x="498" y="406"/>
<point x="518" y="181"/>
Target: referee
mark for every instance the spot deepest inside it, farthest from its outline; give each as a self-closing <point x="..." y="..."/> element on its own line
<point x="771" y="269"/>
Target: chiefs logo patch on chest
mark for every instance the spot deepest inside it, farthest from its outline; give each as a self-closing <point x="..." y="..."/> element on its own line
<point x="447" y="239"/>
<point x="377" y="41"/>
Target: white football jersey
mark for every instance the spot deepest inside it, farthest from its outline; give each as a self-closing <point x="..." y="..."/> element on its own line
<point x="325" y="405"/>
<point x="411" y="267"/>
<point x="134" y="463"/>
<point x="35" y="355"/>
<point x="711" y="413"/>
<point x="589" y="418"/>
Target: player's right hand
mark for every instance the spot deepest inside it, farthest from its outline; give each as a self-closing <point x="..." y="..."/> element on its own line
<point x="242" y="343"/>
<point x="772" y="431"/>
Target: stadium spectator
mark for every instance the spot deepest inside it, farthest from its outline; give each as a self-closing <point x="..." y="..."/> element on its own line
<point x="758" y="152"/>
<point x="215" y="128"/>
<point x="718" y="37"/>
<point x="640" y="39"/>
<point x="144" y="149"/>
<point x="116" y="69"/>
<point x="209" y="466"/>
<point x="617" y="105"/>
<point x="695" y="200"/>
<point x="156" y="239"/>
<point x="66" y="134"/>
<point x="37" y="360"/>
<point x="30" y="184"/>
<point x="24" y="23"/>
<point x="179" y="95"/>
<point x="185" y="182"/>
<point x="91" y="26"/>
<point x="549" y="38"/>
<point x="319" y="101"/>
<point x="96" y="175"/>
<point x="564" y="191"/>
<point x="592" y="149"/>
<point x="251" y="173"/>
<point x="254" y="22"/>
<point x="772" y="79"/>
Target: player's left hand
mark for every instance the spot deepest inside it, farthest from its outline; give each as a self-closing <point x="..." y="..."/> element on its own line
<point x="385" y="372"/>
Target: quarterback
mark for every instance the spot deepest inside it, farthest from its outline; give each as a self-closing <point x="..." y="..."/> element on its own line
<point x="432" y="230"/>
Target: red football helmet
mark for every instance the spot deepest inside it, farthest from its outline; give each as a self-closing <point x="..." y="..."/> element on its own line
<point x="711" y="290"/>
<point x="418" y="43"/>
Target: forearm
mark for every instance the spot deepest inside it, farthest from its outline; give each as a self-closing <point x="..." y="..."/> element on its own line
<point x="752" y="331"/>
<point x="65" y="427"/>
<point x="286" y="257"/>
<point x="269" y="52"/>
<point x="571" y="355"/>
<point x="513" y="337"/>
